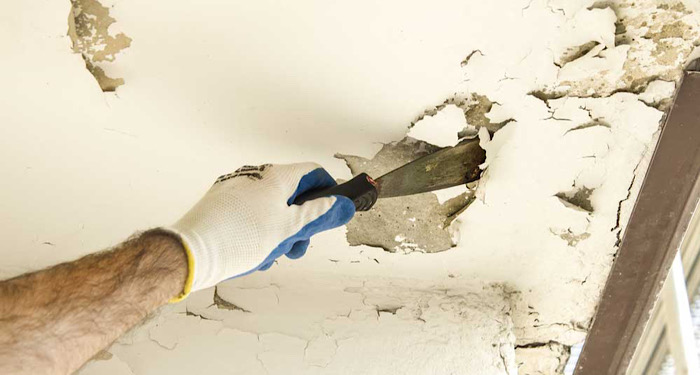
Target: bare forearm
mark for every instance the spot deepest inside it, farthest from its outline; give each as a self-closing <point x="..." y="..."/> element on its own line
<point x="54" y="320"/>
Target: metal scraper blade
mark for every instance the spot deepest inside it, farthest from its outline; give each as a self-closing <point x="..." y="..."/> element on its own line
<point x="442" y="169"/>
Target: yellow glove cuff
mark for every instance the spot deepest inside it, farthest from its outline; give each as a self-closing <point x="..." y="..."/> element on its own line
<point x="190" y="275"/>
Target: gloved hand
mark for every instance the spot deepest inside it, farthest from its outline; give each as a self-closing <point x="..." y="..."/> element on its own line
<point x="247" y="220"/>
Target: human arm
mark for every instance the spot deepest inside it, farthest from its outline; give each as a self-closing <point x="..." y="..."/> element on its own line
<point x="54" y="320"/>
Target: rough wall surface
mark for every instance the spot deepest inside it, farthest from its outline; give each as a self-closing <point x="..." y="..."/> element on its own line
<point x="331" y="328"/>
<point x="571" y="93"/>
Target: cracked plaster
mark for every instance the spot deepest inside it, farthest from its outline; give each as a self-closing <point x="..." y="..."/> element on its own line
<point x="571" y="92"/>
<point x="365" y="326"/>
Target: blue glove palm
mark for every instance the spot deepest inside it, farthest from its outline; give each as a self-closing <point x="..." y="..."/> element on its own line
<point x="339" y="214"/>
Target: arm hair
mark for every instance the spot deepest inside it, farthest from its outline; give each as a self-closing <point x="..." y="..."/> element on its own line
<point x="54" y="320"/>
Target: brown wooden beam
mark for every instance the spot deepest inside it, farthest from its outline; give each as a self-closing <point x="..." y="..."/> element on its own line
<point x="660" y="218"/>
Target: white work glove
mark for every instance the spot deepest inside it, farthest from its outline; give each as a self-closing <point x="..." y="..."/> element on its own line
<point x="247" y="220"/>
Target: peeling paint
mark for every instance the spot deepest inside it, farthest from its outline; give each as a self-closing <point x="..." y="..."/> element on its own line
<point x="475" y="108"/>
<point x="88" y="27"/>
<point x="416" y="223"/>
<point x="563" y="169"/>
<point x="652" y="40"/>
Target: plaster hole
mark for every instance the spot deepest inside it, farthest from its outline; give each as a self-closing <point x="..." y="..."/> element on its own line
<point x="678" y="29"/>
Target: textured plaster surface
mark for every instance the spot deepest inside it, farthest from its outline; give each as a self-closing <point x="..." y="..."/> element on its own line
<point x="420" y="222"/>
<point x="566" y="97"/>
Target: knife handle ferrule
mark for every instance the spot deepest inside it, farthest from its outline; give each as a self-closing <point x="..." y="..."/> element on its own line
<point x="361" y="189"/>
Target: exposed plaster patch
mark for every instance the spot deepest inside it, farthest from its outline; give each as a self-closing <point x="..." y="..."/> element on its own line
<point x="652" y="41"/>
<point x="420" y="223"/>
<point x="404" y="224"/>
<point x="88" y="27"/>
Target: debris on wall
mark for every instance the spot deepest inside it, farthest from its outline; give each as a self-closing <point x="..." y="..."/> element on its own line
<point x="88" y="27"/>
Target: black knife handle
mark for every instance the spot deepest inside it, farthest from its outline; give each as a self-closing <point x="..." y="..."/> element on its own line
<point x="362" y="189"/>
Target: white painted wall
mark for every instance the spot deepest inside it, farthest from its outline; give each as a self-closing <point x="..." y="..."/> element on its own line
<point x="214" y="85"/>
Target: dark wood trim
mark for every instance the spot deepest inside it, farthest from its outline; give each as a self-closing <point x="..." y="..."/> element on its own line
<point x="660" y="218"/>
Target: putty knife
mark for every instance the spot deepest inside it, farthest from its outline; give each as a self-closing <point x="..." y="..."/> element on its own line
<point x="442" y="169"/>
